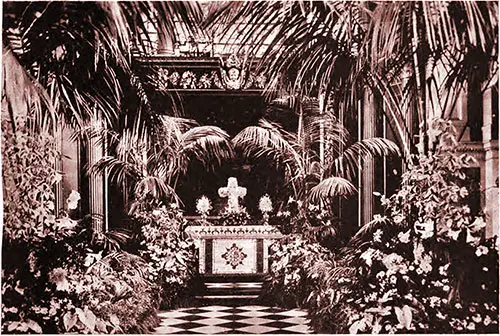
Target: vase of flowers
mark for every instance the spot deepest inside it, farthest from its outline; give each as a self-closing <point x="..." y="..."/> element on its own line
<point x="203" y="207"/>
<point x="265" y="206"/>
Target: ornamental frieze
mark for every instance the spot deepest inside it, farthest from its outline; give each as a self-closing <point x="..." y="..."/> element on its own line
<point x="233" y="74"/>
<point x="252" y="231"/>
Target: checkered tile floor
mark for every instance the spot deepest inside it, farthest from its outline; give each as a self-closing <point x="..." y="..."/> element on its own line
<point x="233" y="320"/>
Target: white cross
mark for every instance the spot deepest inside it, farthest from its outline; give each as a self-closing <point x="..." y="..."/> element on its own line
<point x="232" y="192"/>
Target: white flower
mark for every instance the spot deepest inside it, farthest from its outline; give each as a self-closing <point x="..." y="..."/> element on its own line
<point x="398" y="219"/>
<point x="446" y="288"/>
<point x="313" y="207"/>
<point x="434" y="301"/>
<point x="426" y="264"/>
<point x="66" y="223"/>
<point x="367" y="256"/>
<point x="443" y="269"/>
<point x="425" y="230"/>
<point x="487" y="320"/>
<point x="58" y="277"/>
<point x="394" y="263"/>
<point x="481" y="250"/>
<point x="265" y="204"/>
<point x="471" y="326"/>
<point x="73" y="199"/>
<point x="377" y="236"/>
<point x="203" y="205"/>
<point x="477" y="225"/>
<point x="404" y="237"/>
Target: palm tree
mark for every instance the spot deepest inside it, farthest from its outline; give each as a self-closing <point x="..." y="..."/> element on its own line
<point x="313" y="178"/>
<point x="147" y="165"/>
<point x="72" y="59"/>
<point x="415" y="55"/>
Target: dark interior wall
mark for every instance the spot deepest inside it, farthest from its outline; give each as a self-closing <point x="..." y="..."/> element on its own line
<point x="231" y="113"/>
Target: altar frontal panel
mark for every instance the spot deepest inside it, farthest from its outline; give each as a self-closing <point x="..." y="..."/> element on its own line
<point x="234" y="256"/>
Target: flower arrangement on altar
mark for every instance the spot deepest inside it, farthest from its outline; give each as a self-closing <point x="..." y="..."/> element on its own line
<point x="203" y="206"/>
<point x="231" y="217"/>
<point x="265" y="206"/>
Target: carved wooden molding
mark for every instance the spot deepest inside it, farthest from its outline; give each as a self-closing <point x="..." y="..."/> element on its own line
<point x="171" y="80"/>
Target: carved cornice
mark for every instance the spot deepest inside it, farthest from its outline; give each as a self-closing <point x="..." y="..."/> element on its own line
<point x="470" y="147"/>
<point x="169" y="80"/>
<point x="170" y="62"/>
<point x="247" y="231"/>
<point x="166" y="73"/>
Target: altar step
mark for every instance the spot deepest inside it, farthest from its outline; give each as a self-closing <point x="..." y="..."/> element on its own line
<point x="231" y="289"/>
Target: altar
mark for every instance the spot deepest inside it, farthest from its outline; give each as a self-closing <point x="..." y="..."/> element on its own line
<point x="232" y="249"/>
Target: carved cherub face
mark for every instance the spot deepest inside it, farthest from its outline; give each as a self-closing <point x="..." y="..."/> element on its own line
<point x="233" y="73"/>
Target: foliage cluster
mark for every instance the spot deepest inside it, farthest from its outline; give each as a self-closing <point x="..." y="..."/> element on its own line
<point x="316" y="224"/>
<point x="47" y="284"/>
<point x="310" y="177"/>
<point x="423" y="267"/>
<point x="291" y="259"/>
<point x="171" y="256"/>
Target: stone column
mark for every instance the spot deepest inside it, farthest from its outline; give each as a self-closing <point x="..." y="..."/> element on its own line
<point x="71" y="165"/>
<point x="58" y="188"/>
<point x="367" y="164"/>
<point x="490" y="146"/>
<point x="459" y="116"/>
<point x="95" y="151"/>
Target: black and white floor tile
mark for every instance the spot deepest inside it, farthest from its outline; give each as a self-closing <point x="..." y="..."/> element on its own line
<point x="233" y="320"/>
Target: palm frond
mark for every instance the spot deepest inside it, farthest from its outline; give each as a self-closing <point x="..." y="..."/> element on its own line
<point x="208" y="144"/>
<point x="268" y="140"/>
<point x="348" y="161"/>
<point x="331" y="187"/>
<point x="119" y="261"/>
<point x="365" y="233"/>
<point x="155" y="187"/>
<point x="119" y="171"/>
<point x="24" y="95"/>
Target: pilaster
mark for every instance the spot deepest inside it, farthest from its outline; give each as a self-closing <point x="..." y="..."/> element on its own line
<point x="490" y="167"/>
<point x="367" y="164"/>
<point x="97" y="196"/>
